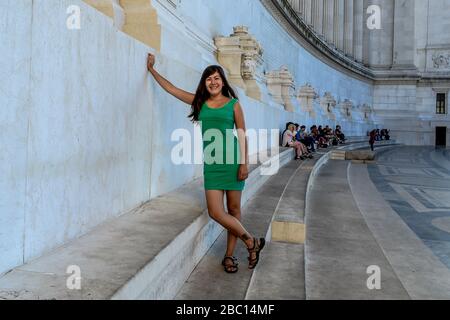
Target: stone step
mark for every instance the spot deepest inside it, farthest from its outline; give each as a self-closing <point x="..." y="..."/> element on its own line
<point x="208" y="281"/>
<point x="288" y="221"/>
<point x="340" y="247"/>
<point x="280" y="274"/>
<point x="279" y="208"/>
<point x="151" y="251"/>
<point x="281" y="271"/>
<point x="145" y="254"/>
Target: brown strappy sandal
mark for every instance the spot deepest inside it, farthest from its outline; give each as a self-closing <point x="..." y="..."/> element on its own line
<point x="257" y="247"/>
<point x="230" y="268"/>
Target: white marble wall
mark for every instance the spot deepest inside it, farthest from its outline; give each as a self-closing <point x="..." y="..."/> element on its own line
<point x="86" y="132"/>
<point x="14" y="127"/>
<point x="409" y="110"/>
<point x="409" y="107"/>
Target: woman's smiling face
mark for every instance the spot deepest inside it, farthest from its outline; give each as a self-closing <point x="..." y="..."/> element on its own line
<point x="214" y="84"/>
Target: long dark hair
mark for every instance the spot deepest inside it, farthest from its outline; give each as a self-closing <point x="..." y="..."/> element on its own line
<point x="202" y="94"/>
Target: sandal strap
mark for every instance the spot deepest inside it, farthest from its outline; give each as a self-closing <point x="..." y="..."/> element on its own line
<point x="255" y="246"/>
<point x="232" y="258"/>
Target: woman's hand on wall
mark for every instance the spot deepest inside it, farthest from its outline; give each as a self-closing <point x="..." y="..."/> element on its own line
<point x="150" y="61"/>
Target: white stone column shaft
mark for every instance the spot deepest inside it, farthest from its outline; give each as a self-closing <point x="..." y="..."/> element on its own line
<point x="295" y="5"/>
<point x="381" y="41"/>
<point x="358" y="28"/>
<point x="328" y="20"/>
<point x="308" y="11"/>
<point x="301" y="6"/>
<point x="318" y="15"/>
<point x="348" y="27"/>
<point x="404" y="32"/>
<point x="338" y="35"/>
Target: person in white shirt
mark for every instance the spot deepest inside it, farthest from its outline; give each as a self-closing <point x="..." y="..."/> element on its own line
<point x="289" y="141"/>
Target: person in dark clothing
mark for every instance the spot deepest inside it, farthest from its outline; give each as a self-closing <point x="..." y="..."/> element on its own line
<point x="305" y="138"/>
<point x="339" y="134"/>
<point x="372" y="139"/>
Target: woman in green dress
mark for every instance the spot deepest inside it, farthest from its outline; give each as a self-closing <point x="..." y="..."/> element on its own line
<point x="216" y="107"/>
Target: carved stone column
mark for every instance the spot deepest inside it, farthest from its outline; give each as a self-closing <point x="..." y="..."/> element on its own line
<point x="296" y="6"/>
<point x="301" y="6"/>
<point x="307" y="14"/>
<point x="348" y="27"/>
<point x="328" y="20"/>
<point x="281" y="86"/>
<point x="380" y="41"/>
<point x="306" y="97"/>
<point x="358" y="25"/>
<point x="404" y="31"/>
<point x="338" y="35"/>
<point x="317" y="16"/>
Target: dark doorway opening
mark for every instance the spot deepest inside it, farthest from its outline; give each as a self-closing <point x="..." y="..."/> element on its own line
<point x="441" y="136"/>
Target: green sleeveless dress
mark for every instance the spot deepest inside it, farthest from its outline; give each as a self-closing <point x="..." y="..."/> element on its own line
<point x="220" y="148"/>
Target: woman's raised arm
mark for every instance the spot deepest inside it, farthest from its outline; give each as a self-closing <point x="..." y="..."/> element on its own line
<point x="178" y="93"/>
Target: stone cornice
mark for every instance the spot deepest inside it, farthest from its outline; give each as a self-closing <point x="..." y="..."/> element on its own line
<point x="284" y="14"/>
<point x="310" y="40"/>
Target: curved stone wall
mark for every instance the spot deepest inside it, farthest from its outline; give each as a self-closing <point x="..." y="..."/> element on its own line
<point x="88" y="133"/>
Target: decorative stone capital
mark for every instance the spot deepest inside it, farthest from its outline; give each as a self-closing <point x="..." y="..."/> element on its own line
<point x="306" y="96"/>
<point x="241" y="50"/>
<point x="368" y="112"/>
<point x="328" y="104"/>
<point x="229" y="54"/>
<point x="346" y="108"/>
<point x="281" y="86"/>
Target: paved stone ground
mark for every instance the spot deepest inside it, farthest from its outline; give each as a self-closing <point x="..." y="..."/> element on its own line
<point x="416" y="183"/>
<point x="339" y="245"/>
<point x="394" y="214"/>
<point x="415" y="230"/>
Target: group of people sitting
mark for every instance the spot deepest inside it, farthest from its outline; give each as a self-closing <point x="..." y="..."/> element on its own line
<point x="305" y="143"/>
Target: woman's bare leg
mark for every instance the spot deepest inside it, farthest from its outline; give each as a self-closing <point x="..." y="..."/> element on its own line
<point x="304" y="149"/>
<point x="298" y="150"/>
<point x="234" y="209"/>
<point x="214" y="199"/>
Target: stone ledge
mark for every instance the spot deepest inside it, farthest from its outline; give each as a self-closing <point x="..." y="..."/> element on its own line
<point x="362" y="155"/>
<point x="288" y="224"/>
<point x="145" y="254"/>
